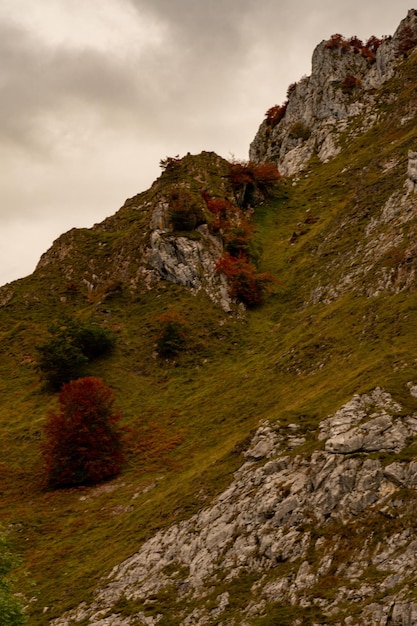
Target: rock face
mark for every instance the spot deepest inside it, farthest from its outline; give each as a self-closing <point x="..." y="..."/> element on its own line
<point x="140" y="245"/>
<point x="319" y="107"/>
<point x="186" y="261"/>
<point x="283" y="524"/>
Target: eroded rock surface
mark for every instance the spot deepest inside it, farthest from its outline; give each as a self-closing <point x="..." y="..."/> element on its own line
<point x="323" y="104"/>
<point x="294" y="521"/>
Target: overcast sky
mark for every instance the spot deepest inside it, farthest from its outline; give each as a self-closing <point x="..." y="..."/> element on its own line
<point x="93" y="93"/>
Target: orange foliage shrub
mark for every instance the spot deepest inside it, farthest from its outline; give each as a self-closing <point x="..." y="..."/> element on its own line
<point x="367" y="50"/>
<point x="275" y="114"/>
<point x="222" y="210"/>
<point x="245" y="283"/>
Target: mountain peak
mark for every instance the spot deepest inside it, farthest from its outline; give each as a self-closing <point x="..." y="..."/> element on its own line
<point x="345" y="74"/>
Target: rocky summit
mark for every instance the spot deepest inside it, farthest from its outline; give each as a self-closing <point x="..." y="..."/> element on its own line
<point x="263" y="316"/>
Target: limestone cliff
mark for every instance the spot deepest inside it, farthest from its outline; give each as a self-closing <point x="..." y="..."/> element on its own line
<point x="320" y="107"/>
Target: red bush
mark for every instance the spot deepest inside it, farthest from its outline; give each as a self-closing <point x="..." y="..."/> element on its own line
<point x="355" y="43"/>
<point x="350" y="83"/>
<point x="373" y="43"/>
<point x="368" y="50"/>
<point x="244" y="173"/>
<point x="244" y="283"/>
<point x="222" y="210"/>
<point x="239" y="238"/>
<point x="335" y="41"/>
<point x="266" y="175"/>
<point x="275" y="114"/>
<point x="83" y="442"/>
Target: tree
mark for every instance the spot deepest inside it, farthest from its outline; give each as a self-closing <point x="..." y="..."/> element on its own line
<point x="71" y="346"/>
<point x="11" y="611"/>
<point x="83" y="442"/>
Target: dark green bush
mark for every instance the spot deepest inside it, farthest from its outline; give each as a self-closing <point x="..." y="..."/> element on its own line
<point x="171" y="337"/>
<point x="71" y="346"/>
<point x="300" y="131"/>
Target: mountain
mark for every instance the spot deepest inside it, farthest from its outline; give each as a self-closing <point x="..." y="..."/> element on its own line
<point x="272" y="462"/>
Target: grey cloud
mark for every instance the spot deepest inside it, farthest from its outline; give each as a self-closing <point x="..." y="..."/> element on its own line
<point x="37" y="81"/>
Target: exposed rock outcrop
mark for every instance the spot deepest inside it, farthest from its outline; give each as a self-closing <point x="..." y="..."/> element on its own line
<point x="284" y="521"/>
<point x="140" y="245"/>
<point x="341" y="86"/>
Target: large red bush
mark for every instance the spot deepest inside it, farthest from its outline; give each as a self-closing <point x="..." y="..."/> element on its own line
<point x="83" y="442"/>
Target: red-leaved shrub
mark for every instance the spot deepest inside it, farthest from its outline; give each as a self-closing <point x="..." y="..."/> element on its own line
<point x="275" y="114"/>
<point x="251" y="176"/>
<point x="350" y="83"/>
<point x="245" y="283"/>
<point x="83" y="442"/>
<point x="367" y="50"/>
<point x="221" y="210"/>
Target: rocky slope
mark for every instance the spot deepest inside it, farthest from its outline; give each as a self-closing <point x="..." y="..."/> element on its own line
<point x="140" y="244"/>
<point x="318" y="524"/>
<point x="282" y="529"/>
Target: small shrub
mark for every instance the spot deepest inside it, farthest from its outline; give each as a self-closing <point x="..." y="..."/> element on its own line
<point x="299" y="131"/>
<point x="275" y="114"/>
<point x="94" y="341"/>
<point x="169" y="162"/>
<point x="172" y="334"/>
<point x="83" y="442"/>
<point x="239" y="238"/>
<point x="222" y="212"/>
<point x="350" y="83"/>
<point x="355" y="43"/>
<point x="245" y="283"/>
<point x="291" y="88"/>
<point x="266" y="176"/>
<point x="373" y="43"/>
<point x="71" y="347"/>
<point x="248" y="177"/>
<point x="334" y="42"/>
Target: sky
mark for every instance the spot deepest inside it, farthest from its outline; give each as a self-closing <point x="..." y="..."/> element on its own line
<point x="94" y="93"/>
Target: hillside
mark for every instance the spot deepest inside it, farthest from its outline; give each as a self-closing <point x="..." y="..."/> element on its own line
<point x="271" y="476"/>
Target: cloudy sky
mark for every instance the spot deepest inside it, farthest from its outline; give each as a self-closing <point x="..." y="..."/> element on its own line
<point x="93" y="93"/>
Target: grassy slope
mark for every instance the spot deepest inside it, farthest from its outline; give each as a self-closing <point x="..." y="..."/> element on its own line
<point x="284" y="361"/>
